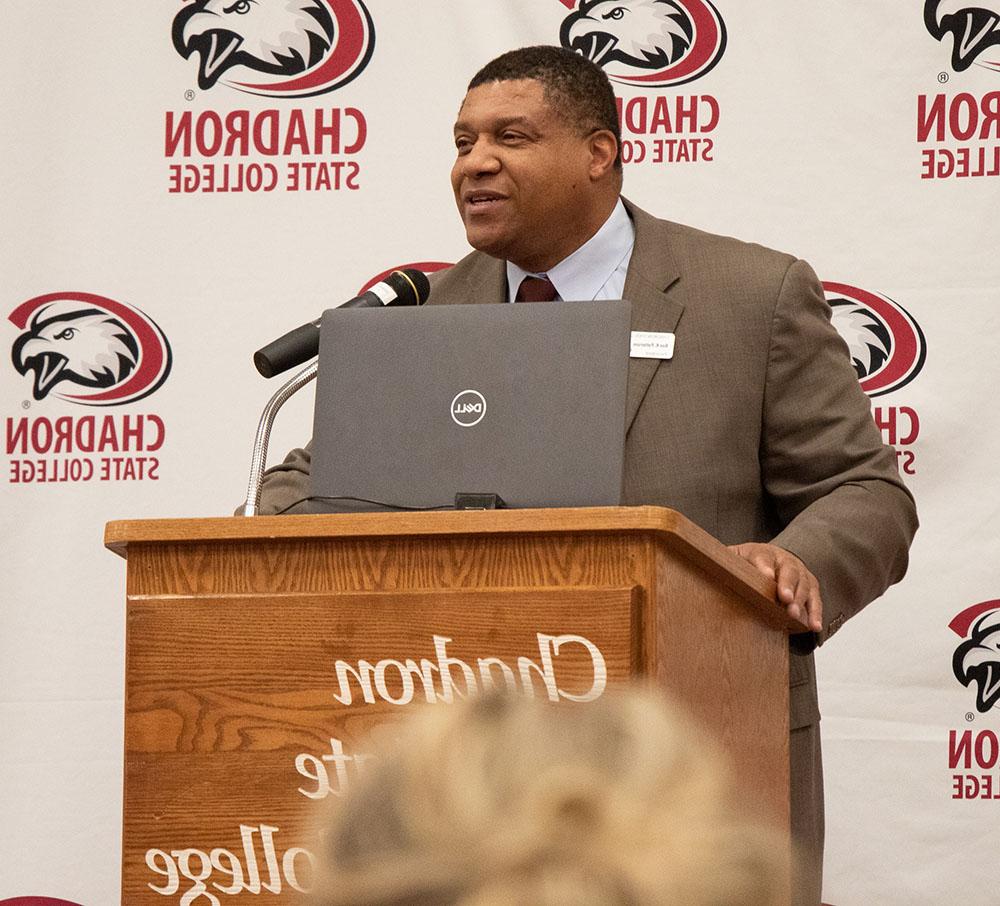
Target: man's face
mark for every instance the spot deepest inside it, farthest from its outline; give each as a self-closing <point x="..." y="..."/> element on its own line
<point x="522" y="178"/>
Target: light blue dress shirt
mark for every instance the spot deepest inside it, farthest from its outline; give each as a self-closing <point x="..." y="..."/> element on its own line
<point x="596" y="270"/>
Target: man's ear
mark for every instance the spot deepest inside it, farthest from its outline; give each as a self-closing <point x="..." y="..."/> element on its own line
<point x="603" y="151"/>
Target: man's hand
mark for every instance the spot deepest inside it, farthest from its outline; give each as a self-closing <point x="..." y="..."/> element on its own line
<point x="798" y="589"/>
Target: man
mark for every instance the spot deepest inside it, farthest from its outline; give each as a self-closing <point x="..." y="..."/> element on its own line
<point x="756" y="429"/>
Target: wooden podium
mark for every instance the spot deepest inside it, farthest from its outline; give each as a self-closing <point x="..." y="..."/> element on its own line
<point x="261" y="652"/>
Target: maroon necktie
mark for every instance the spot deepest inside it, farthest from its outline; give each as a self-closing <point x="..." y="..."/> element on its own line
<point x="535" y="289"/>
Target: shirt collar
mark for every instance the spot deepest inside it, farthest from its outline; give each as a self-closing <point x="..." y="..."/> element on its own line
<point x="580" y="276"/>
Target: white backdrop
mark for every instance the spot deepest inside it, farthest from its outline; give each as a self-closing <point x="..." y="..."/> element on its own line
<point x="817" y="150"/>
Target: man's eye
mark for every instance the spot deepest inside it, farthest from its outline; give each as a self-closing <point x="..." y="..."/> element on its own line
<point x="510" y="137"/>
<point x="462" y="145"/>
<point x="617" y="13"/>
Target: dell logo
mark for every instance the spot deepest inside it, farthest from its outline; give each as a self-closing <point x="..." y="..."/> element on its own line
<point x="468" y="408"/>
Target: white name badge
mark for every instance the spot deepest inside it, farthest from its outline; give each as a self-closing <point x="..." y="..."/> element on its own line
<point x="648" y="344"/>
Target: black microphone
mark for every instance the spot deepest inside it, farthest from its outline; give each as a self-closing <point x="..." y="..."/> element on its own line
<point x="403" y="287"/>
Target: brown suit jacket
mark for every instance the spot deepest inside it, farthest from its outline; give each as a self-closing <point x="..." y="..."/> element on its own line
<point x="756" y="429"/>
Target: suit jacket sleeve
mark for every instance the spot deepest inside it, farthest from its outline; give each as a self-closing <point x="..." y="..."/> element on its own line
<point x="287" y="482"/>
<point x="834" y="484"/>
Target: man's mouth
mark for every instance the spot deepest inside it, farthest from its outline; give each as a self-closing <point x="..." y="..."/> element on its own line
<point x="482" y="201"/>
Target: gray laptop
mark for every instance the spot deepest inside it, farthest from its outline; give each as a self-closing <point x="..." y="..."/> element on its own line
<point x="416" y="405"/>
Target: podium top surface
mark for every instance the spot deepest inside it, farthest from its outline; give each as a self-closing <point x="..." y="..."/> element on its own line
<point x="670" y="526"/>
<point x="120" y="534"/>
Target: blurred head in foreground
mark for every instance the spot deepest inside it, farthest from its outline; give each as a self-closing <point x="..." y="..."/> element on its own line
<point x="506" y="801"/>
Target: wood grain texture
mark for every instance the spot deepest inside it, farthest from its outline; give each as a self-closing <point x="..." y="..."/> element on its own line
<point x="379" y="564"/>
<point x="202" y="659"/>
<point x="235" y="627"/>
<point x="731" y="670"/>
<point x="288" y="532"/>
<point x="225" y="692"/>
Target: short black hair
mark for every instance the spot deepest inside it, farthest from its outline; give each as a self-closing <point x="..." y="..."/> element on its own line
<point x="575" y="86"/>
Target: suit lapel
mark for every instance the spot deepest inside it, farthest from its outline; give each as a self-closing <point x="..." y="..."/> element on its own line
<point x="485" y="281"/>
<point x="651" y="273"/>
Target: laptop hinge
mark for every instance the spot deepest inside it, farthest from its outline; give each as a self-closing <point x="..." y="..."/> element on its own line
<point x="479" y="502"/>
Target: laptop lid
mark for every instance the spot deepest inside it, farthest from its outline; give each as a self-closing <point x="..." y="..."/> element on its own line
<point x="414" y="405"/>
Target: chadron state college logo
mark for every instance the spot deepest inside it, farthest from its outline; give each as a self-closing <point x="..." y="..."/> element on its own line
<point x="958" y="131"/>
<point x="974" y="751"/>
<point x="648" y="46"/>
<point x="888" y="350"/>
<point x="88" y="349"/>
<point x="886" y="344"/>
<point x="974" y="28"/>
<point x="649" y="43"/>
<point x="976" y="661"/>
<point x="276" y="48"/>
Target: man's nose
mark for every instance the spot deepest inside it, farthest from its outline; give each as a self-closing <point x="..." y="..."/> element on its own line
<point x="481" y="159"/>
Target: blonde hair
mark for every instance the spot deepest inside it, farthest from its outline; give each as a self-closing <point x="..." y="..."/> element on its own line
<point x="505" y="800"/>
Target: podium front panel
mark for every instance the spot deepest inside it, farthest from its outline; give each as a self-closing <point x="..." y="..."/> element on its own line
<point x="245" y="712"/>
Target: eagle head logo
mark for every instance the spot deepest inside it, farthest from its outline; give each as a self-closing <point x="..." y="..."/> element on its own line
<point x="647" y="34"/>
<point x="973" y="29"/>
<point x="977" y="659"/>
<point x="647" y="42"/>
<point x="886" y="344"/>
<point x="305" y="47"/>
<point x="66" y="342"/>
<point x="284" y="37"/>
<point x="111" y="352"/>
